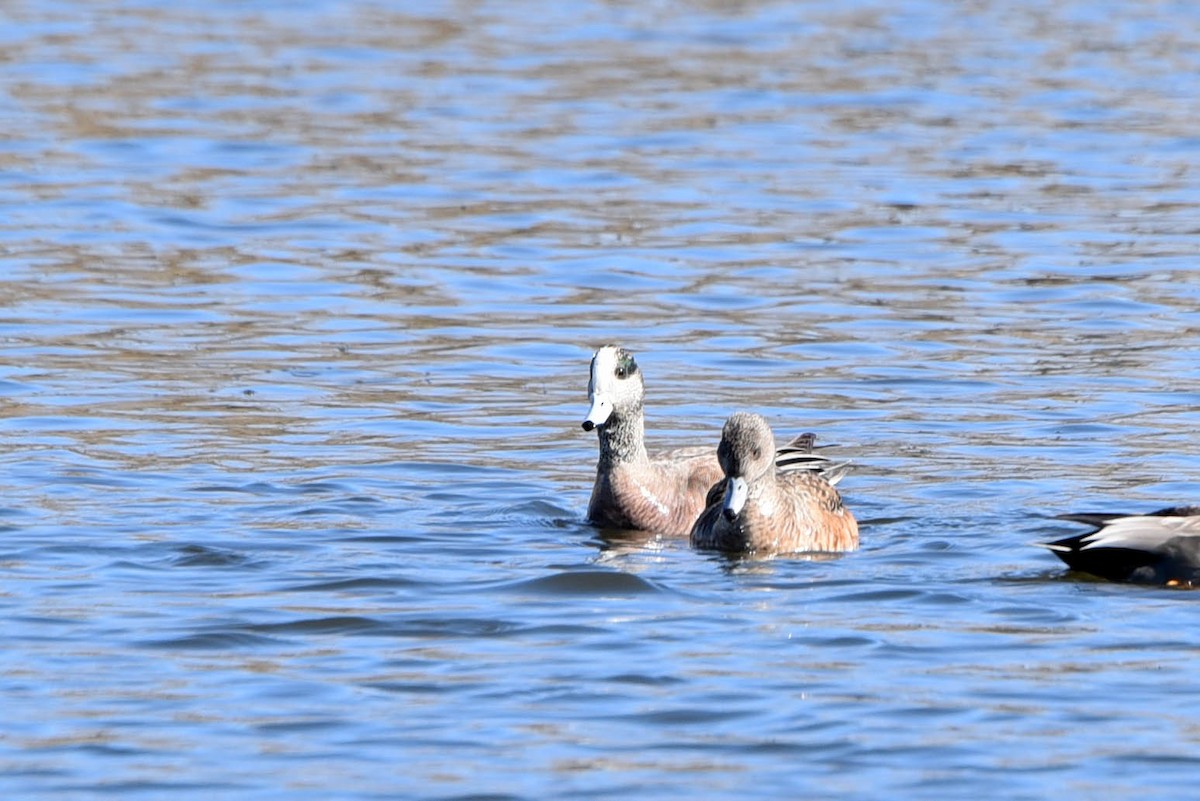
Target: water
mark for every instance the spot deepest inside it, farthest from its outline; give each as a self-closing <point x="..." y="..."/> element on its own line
<point x="297" y="307"/>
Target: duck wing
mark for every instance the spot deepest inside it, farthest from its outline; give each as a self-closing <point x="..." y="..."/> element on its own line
<point x="799" y="455"/>
<point x="1160" y="546"/>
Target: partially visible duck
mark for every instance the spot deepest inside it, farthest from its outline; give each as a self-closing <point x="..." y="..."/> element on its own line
<point x="663" y="493"/>
<point x="758" y="508"/>
<point x="1160" y="547"/>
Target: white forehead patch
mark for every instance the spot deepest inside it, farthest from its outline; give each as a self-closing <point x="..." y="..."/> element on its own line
<point x="604" y="363"/>
<point x="606" y="357"/>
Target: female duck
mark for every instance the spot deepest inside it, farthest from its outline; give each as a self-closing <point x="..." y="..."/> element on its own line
<point x="759" y="508"/>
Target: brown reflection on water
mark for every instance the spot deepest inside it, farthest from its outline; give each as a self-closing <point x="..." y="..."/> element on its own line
<point x="296" y="306"/>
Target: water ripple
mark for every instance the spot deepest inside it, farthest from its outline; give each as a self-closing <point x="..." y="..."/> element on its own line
<point x="298" y="312"/>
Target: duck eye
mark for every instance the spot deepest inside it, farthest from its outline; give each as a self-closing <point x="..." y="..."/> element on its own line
<point x="626" y="366"/>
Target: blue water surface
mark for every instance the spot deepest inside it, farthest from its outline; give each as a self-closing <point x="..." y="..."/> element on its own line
<point x="297" y="303"/>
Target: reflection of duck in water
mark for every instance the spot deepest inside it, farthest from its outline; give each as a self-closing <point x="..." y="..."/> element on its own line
<point x="1160" y="547"/>
<point x="758" y="507"/>
<point x="666" y="492"/>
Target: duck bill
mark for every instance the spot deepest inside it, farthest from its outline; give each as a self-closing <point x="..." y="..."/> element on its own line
<point x="599" y="413"/>
<point x="735" y="497"/>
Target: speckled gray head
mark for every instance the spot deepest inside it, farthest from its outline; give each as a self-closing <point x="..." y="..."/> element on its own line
<point x="615" y="386"/>
<point x="747" y="451"/>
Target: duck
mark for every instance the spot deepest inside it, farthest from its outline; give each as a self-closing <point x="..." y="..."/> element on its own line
<point x="758" y="508"/>
<point x="664" y="492"/>
<point x="1161" y="547"/>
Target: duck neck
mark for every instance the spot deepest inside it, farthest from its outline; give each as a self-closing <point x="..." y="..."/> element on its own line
<point x="623" y="439"/>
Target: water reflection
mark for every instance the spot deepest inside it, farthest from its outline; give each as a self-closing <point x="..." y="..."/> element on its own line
<point x="297" y="308"/>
